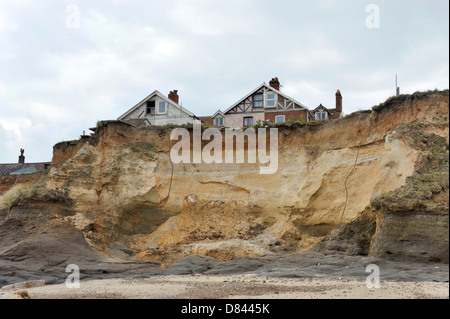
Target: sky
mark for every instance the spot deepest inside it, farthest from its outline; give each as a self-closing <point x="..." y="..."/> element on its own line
<point x="64" y="65"/>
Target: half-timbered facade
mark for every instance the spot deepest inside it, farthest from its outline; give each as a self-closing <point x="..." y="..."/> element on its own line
<point x="264" y="103"/>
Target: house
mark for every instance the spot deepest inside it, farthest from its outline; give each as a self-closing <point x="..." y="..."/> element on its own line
<point x="322" y="113"/>
<point x="23" y="168"/>
<point x="264" y="103"/>
<point x="156" y="109"/>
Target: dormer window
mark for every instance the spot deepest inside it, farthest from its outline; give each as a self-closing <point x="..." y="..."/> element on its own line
<point x="218" y="121"/>
<point x="321" y="116"/>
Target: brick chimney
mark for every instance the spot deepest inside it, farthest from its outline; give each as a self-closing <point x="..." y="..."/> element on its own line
<point x="338" y="101"/>
<point x="21" y="157"/>
<point x="275" y="84"/>
<point x="173" y="95"/>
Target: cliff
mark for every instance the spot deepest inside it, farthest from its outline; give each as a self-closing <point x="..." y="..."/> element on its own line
<point x="374" y="182"/>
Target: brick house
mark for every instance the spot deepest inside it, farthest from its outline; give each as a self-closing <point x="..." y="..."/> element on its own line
<point x="156" y="109"/>
<point x="264" y="103"/>
<point x="322" y="113"/>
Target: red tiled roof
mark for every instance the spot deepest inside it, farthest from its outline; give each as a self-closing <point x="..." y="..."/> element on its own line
<point x="206" y="119"/>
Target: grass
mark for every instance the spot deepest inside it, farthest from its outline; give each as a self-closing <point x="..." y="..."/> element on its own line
<point x="147" y="150"/>
<point x="395" y="100"/>
<point x="23" y="192"/>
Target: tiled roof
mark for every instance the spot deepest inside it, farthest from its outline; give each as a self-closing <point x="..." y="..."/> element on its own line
<point x="206" y="119"/>
<point x="28" y="168"/>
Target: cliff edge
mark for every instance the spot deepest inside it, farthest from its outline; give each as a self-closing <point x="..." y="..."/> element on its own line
<point x="371" y="183"/>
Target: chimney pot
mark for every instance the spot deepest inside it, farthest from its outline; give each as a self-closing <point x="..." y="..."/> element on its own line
<point x="338" y="101"/>
<point x="275" y="84"/>
<point x="21" y="157"/>
<point x="173" y="95"/>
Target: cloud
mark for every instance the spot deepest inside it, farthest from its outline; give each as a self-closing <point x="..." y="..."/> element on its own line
<point x="212" y="18"/>
<point x="314" y="58"/>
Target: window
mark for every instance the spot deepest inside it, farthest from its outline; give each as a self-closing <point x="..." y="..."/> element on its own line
<point x="161" y="107"/>
<point x="279" y="119"/>
<point x="151" y="107"/>
<point x="270" y="99"/>
<point x="218" y="121"/>
<point x="248" y="121"/>
<point x="258" y="100"/>
<point x="321" y="116"/>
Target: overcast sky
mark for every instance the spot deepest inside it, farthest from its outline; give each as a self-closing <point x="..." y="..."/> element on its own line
<point x="59" y="74"/>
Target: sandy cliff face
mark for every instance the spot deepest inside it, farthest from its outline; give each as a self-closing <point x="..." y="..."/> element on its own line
<point x="123" y="189"/>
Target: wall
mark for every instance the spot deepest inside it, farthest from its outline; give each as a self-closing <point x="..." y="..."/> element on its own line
<point x="173" y="115"/>
<point x="237" y="120"/>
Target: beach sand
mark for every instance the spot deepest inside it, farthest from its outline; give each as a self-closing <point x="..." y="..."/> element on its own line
<point x="233" y="287"/>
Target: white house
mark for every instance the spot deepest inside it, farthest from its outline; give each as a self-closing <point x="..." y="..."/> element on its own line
<point x="156" y="109"/>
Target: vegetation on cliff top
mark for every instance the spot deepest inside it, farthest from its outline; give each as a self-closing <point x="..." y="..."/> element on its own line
<point x="398" y="99"/>
<point x="431" y="176"/>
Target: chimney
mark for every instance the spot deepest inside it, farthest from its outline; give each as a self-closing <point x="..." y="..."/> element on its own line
<point x="338" y="101"/>
<point x="21" y="157"/>
<point x="275" y="84"/>
<point x="173" y="95"/>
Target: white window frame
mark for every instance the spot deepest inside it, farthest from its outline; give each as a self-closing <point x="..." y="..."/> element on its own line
<point x="165" y="107"/>
<point x="320" y="115"/>
<point x="218" y="118"/>
<point x="284" y="118"/>
<point x="267" y="99"/>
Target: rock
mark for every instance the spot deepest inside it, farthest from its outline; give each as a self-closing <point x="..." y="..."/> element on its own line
<point x="352" y="238"/>
<point x="23" y="294"/>
<point x="41" y="249"/>
<point x="412" y="236"/>
<point x="193" y="264"/>
<point x="237" y="266"/>
<point x="120" y="251"/>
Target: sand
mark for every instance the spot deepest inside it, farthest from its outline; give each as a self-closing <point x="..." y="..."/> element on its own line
<point x="234" y="287"/>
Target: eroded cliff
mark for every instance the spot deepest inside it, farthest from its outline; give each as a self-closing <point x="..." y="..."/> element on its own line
<point x="374" y="182"/>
